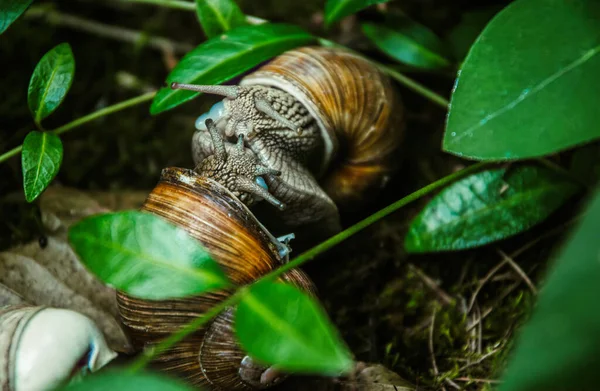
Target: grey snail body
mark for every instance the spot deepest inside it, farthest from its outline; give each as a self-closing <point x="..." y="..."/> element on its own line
<point x="326" y="120"/>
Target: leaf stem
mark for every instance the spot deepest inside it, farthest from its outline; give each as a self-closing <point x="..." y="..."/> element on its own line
<point x="87" y="118"/>
<point x="147" y="356"/>
<point x="175" y="4"/>
<point x="309" y="255"/>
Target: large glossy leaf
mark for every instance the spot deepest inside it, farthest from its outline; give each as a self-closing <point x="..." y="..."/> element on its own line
<point x="40" y="160"/>
<point x="51" y="80"/>
<point x="488" y="206"/>
<point x="222" y="58"/>
<point x="279" y="325"/>
<point x="145" y="256"/>
<point x="407" y="41"/>
<point x="559" y="347"/>
<point x="10" y="10"/>
<point x="529" y="85"/>
<point x="338" y="9"/>
<point x="125" y="381"/>
<point x="219" y="16"/>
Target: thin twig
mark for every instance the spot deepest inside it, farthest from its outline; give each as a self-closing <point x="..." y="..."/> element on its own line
<point x="469" y="379"/>
<point x="436" y="372"/>
<point x="519" y="271"/>
<point x="479" y="360"/>
<point x="444" y="297"/>
<point x="108" y="31"/>
<point x="491" y="308"/>
<point x="482" y="282"/>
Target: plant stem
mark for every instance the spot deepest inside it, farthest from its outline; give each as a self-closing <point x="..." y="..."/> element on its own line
<point x="87" y="118"/>
<point x="175" y="4"/>
<point x="165" y="344"/>
<point x="147" y="356"/>
<point x="402" y="79"/>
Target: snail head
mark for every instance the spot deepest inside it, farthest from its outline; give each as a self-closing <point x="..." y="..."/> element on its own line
<point x="245" y="110"/>
<point x="237" y="169"/>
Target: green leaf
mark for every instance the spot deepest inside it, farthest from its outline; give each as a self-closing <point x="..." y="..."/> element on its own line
<point x="408" y="42"/>
<point x="529" y="85"/>
<point x="338" y="9"/>
<point x="145" y="256"/>
<point x="125" y="381"/>
<point x="488" y="206"/>
<point x="10" y="10"/>
<point x="279" y="325"/>
<point x="51" y="81"/>
<point x="222" y="58"/>
<point x="40" y="160"/>
<point x="219" y="16"/>
<point x="558" y="348"/>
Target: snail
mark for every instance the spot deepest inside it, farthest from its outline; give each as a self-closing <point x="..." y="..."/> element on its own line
<point x="209" y="212"/>
<point x="310" y="113"/>
<point x="325" y="120"/>
<point x="42" y="348"/>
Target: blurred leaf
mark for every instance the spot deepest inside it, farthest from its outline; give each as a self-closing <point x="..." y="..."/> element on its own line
<point x="40" y="160"/>
<point x="10" y="10"/>
<point x="529" y="85"/>
<point x="488" y="206"/>
<point x="222" y="58"/>
<point x="585" y="164"/>
<point x="279" y="325"/>
<point x="338" y="9"/>
<point x="558" y="348"/>
<point x="219" y="16"/>
<point x="145" y="256"/>
<point x="125" y="381"/>
<point x="408" y="42"/>
<point x="463" y="35"/>
<point x="51" y="81"/>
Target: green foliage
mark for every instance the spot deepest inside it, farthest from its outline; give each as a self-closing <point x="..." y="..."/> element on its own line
<point x="528" y="87"/>
<point x="41" y="158"/>
<point x="278" y="324"/>
<point x="219" y="16"/>
<point x="124" y="381"/>
<point x="51" y="81"/>
<point x="559" y="347"/>
<point x="466" y="32"/>
<point x="145" y="256"/>
<point x="585" y="165"/>
<point x="407" y="41"/>
<point x="10" y="10"/>
<point x="486" y="207"/>
<point x="338" y="9"/>
<point x="222" y="58"/>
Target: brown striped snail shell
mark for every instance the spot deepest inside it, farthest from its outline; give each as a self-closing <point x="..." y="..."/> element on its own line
<point x="245" y="250"/>
<point x="41" y="348"/>
<point x="327" y="120"/>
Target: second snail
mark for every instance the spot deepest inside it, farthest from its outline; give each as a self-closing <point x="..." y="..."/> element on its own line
<point x="312" y="129"/>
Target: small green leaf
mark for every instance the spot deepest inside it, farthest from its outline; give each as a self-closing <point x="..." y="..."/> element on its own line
<point x="529" y="85"/>
<point x="219" y="16"/>
<point x="51" y="81"/>
<point x="222" y="58"/>
<point x="488" y="206"/>
<point x="279" y="325"/>
<point x="338" y="9"/>
<point x="558" y="348"/>
<point x="145" y="256"/>
<point x="408" y="42"/>
<point x="125" y="381"/>
<point x="41" y="158"/>
<point x="10" y="10"/>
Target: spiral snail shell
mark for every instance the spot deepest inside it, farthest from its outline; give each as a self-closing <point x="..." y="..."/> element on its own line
<point x="234" y="238"/>
<point x="325" y="119"/>
<point x="41" y="348"/>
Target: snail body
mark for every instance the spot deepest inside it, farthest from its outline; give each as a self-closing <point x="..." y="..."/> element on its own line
<point x="41" y="348"/>
<point x="327" y="120"/>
